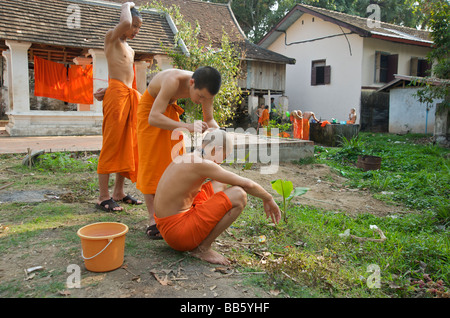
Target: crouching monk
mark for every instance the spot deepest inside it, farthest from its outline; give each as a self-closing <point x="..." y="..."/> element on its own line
<point x="191" y="214"/>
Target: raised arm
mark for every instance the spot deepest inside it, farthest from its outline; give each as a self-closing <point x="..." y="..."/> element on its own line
<point x="215" y="172"/>
<point x="124" y="23"/>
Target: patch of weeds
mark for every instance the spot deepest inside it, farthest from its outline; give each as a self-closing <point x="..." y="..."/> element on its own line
<point x="66" y="162"/>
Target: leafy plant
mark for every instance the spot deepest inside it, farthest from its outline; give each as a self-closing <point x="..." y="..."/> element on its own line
<point x="224" y="58"/>
<point x="287" y="191"/>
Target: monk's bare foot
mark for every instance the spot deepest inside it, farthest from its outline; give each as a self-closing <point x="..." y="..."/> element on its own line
<point x="210" y="256"/>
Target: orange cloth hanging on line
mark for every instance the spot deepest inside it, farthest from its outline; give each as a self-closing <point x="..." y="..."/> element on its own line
<point x="50" y="79"/>
<point x="53" y="80"/>
<point x="80" y="88"/>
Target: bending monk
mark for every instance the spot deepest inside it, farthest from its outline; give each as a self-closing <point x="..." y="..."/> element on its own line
<point x="297" y="123"/>
<point x="305" y="116"/>
<point x="191" y="214"/>
<point x="119" y="152"/>
<point x="159" y="115"/>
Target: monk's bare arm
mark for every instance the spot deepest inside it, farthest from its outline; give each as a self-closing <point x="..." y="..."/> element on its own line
<point x="215" y="172"/>
<point x="207" y="109"/>
<point x="124" y="23"/>
<point x="156" y="118"/>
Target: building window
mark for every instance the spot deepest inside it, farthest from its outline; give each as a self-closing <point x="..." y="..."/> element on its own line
<point x="320" y="73"/>
<point x="420" y="67"/>
<point x="386" y="66"/>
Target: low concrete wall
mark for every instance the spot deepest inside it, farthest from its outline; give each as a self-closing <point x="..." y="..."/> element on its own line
<point x="54" y="123"/>
<point x="330" y="135"/>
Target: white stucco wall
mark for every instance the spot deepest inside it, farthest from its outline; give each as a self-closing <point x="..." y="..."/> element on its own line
<point x="406" y="114"/>
<point x="405" y="53"/>
<point x="343" y="93"/>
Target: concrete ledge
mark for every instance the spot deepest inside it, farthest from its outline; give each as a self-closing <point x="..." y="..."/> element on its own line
<point x="54" y="123"/>
<point x="265" y="149"/>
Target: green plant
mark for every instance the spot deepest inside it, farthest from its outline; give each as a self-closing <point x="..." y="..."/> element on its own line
<point x="287" y="191"/>
<point x="224" y="58"/>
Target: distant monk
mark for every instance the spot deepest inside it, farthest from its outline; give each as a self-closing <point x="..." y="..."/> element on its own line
<point x="352" y="117"/>
<point x="264" y="118"/>
<point x="297" y="124"/>
<point x="119" y="153"/>
<point x="305" y="116"/>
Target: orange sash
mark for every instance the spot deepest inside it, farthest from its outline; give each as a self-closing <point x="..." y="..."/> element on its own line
<point x="119" y="152"/>
<point x="156" y="145"/>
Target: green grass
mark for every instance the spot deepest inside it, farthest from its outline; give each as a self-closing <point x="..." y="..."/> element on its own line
<point x="305" y="257"/>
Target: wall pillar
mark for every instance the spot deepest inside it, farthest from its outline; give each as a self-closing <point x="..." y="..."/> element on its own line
<point x="7" y="83"/>
<point x="19" y="85"/>
<point x="100" y="70"/>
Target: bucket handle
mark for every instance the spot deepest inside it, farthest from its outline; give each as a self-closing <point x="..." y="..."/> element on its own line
<point x="88" y="258"/>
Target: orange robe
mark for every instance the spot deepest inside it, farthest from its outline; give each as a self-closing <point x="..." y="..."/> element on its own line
<point x="156" y="145"/>
<point x="50" y="79"/>
<point x="264" y="119"/>
<point x="119" y="152"/>
<point x="305" y="124"/>
<point x="297" y="130"/>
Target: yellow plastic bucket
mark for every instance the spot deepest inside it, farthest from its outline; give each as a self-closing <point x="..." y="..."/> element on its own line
<point x="103" y="245"/>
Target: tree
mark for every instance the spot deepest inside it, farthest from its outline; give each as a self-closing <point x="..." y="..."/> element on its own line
<point x="225" y="59"/>
<point x="438" y="18"/>
<point x="257" y="17"/>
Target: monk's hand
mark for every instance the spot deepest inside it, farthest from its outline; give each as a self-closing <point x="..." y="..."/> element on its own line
<point x="272" y="210"/>
<point x="199" y="126"/>
<point x="130" y="4"/>
<point x="99" y="94"/>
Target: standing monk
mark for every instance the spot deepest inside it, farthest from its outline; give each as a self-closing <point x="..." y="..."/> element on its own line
<point x="159" y="115"/>
<point x="119" y="152"/>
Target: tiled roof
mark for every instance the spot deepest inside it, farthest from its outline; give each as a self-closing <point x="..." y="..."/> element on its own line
<point x="356" y="24"/>
<point x="45" y="22"/>
<point x="215" y="17"/>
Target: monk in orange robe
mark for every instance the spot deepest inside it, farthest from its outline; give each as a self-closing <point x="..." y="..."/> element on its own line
<point x="297" y="123"/>
<point x="119" y="150"/>
<point x="158" y="130"/>
<point x="305" y="117"/>
<point x="264" y="118"/>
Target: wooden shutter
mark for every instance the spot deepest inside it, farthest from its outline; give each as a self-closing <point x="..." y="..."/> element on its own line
<point x="327" y="77"/>
<point x="392" y="67"/>
<point x="314" y="76"/>
<point x="414" y="66"/>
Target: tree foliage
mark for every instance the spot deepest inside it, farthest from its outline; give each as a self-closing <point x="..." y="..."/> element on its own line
<point x="225" y="59"/>
<point x="257" y="17"/>
<point x="437" y="13"/>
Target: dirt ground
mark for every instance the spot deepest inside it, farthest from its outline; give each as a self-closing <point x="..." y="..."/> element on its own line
<point x="169" y="274"/>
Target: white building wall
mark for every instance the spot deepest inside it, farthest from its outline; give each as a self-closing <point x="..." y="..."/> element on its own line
<point x="343" y="93"/>
<point x="405" y="53"/>
<point x="408" y="115"/>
